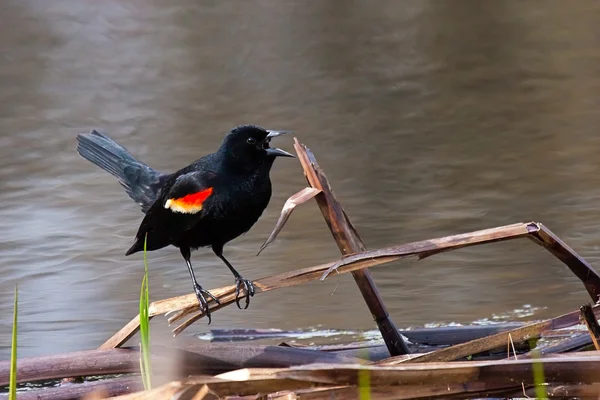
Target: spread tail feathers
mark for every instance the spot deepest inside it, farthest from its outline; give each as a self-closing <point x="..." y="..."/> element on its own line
<point x="141" y="182"/>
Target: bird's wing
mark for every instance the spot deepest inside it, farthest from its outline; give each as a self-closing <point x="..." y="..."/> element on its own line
<point x="188" y="193"/>
<point x="180" y="207"/>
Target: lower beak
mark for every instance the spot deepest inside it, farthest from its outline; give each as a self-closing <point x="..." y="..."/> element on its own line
<point x="275" y="152"/>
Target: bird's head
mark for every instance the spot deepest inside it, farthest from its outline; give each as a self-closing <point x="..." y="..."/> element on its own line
<point x="250" y="145"/>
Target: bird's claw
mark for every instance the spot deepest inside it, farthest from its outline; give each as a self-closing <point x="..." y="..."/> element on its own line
<point x="200" y="294"/>
<point x="248" y="288"/>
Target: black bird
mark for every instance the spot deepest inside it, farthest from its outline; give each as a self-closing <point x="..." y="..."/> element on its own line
<point x="208" y="203"/>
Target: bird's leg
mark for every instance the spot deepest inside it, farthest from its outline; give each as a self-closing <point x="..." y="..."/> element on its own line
<point x="200" y="292"/>
<point x="240" y="282"/>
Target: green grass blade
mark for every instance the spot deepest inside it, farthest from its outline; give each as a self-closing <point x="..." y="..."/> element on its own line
<point x="364" y="381"/>
<point x="12" y="388"/>
<point x="145" y="367"/>
<point x="538" y="375"/>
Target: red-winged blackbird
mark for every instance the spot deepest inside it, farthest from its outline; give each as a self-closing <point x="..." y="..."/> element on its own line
<point x="208" y="203"/>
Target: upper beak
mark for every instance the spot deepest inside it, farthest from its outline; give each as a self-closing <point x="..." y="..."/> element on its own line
<point x="273" y="134"/>
<point x="275" y="152"/>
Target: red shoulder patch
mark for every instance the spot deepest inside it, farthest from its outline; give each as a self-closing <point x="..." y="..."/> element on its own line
<point x="189" y="204"/>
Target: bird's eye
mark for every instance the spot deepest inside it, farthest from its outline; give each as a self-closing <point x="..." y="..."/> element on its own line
<point x="251" y="140"/>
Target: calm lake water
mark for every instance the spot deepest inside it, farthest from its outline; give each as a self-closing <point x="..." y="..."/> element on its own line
<point x="429" y="117"/>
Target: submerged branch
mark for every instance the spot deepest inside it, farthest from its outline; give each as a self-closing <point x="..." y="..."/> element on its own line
<point x="530" y="331"/>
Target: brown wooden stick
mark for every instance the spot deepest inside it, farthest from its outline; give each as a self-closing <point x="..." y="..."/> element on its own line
<point x="123" y="334"/>
<point x="533" y="230"/>
<point x="81" y="363"/>
<point x="103" y="388"/>
<point x="426" y="248"/>
<point x="215" y="358"/>
<point x="572" y="369"/>
<point x="195" y="358"/>
<point x="581" y="268"/>
<point x="406" y="381"/>
<point x="267" y="381"/>
<point x="349" y="242"/>
<point x="494" y="341"/>
<point x="438" y="336"/>
<point x="588" y="317"/>
<point x="188" y="304"/>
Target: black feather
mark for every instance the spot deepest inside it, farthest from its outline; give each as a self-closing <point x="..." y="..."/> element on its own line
<point x="141" y="182"/>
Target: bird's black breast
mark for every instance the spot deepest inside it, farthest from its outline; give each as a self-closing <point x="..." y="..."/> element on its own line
<point x="233" y="208"/>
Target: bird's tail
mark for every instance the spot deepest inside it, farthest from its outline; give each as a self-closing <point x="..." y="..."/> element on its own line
<point x="141" y="182"/>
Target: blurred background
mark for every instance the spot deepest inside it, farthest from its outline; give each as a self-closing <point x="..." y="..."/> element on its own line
<point x="429" y="117"/>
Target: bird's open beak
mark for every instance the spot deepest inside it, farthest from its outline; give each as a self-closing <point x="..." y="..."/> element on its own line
<point x="273" y="151"/>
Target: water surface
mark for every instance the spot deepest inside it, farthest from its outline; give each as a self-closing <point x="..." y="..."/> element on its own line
<point x="430" y="118"/>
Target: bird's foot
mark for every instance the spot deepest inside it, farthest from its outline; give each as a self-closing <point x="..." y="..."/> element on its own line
<point x="200" y="294"/>
<point x="248" y="287"/>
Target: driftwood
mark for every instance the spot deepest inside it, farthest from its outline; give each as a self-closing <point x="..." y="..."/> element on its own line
<point x="421" y="339"/>
<point x="188" y="304"/>
<point x="81" y="363"/>
<point x="405" y="381"/>
<point x="174" y="363"/>
<point x="533" y="230"/>
<point x="439" y="336"/>
<point x="567" y="369"/>
<point x="101" y="389"/>
<point x="218" y="358"/>
<point x="195" y="358"/>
